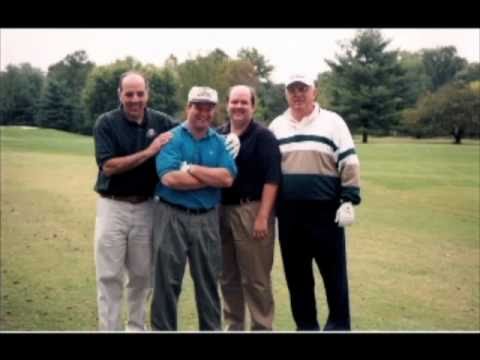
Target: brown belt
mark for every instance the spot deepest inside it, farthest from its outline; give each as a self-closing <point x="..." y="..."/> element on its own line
<point x="132" y="199"/>
<point x="240" y="201"/>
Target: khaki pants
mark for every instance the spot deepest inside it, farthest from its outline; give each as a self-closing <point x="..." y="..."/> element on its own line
<point x="247" y="265"/>
<point x="123" y="241"/>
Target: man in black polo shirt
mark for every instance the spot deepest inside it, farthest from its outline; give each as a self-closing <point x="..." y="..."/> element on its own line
<point x="126" y="142"/>
<point x="246" y="219"/>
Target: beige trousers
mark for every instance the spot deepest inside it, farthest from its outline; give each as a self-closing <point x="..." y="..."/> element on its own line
<point x="123" y="255"/>
<point x="247" y="266"/>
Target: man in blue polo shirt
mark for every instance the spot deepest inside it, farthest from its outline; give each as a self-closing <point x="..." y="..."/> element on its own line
<point x="192" y="167"/>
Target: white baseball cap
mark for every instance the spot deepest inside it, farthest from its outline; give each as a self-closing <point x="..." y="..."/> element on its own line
<point x="301" y="78"/>
<point x="202" y="94"/>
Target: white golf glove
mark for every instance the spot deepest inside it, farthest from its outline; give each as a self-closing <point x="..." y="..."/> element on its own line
<point x="345" y="215"/>
<point x="232" y="143"/>
<point x="184" y="166"/>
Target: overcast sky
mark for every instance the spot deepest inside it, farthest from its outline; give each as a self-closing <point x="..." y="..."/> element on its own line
<point x="288" y="50"/>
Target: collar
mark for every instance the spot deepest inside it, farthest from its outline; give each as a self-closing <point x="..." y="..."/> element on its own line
<point x="144" y="122"/>
<point x="307" y="120"/>
<point x="226" y="129"/>
<point x="184" y="127"/>
<point x="248" y="130"/>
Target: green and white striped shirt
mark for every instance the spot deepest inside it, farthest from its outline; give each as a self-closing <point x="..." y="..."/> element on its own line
<point x="319" y="161"/>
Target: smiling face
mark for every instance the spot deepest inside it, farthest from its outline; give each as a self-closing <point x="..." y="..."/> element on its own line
<point x="301" y="98"/>
<point x="133" y="95"/>
<point x="200" y="116"/>
<point x="240" y="106"/>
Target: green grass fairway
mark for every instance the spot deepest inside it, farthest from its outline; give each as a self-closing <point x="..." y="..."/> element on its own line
<point x="413" y="255"/>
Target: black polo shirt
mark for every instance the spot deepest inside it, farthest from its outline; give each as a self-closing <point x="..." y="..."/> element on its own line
<point x="116" y="136"/>
<point x="258" y="163"/>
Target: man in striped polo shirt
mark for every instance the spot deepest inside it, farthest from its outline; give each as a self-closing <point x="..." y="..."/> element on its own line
<point x="320" y="186"/>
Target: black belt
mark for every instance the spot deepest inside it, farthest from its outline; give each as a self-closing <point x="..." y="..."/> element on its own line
<point x="132" y="199"/>
<point x="183" y="208"/>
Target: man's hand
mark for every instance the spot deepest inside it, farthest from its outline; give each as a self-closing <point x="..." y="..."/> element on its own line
<point x="232" y="143"/>
<point x="345" y="215"/>
<point x="159" y="142"/>
<point x="260" y="228"/>
<point x="121" y="164"/>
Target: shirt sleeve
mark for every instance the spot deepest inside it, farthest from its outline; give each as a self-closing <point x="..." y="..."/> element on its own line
<point x="270" y="158"/>
<point x="348" y="165"/>
<point x="103" y="136"/>
<point x="169" y="158"/>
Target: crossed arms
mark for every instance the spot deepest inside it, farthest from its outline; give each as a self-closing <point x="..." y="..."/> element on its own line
<point x="198" y="177"/>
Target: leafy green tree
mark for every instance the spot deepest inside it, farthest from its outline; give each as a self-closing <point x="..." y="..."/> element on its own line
<point x="218" y="56"/>
<point x="217" y="71"/>
<point x="262" y="68"/>
<point x="100" y="93"/>
<point x="72" y="70"/>
<point x="369" y="88"/>
<point x="468" y="74"/>
<point x="442" y="64"/>
<point x="418" y="81"/>
<point x="20" y="90"/>
<point x="325" y="88"/>
<point x="201" y="71"/>
<point x="56" y="109"/>
<point x="70" y="74"/>
<point x="163" y="88"/>
<point x="235" y="72"/>
<point x="453" y="110"/>
<point x="171" y="63"/>
<point x="271" y="101"/>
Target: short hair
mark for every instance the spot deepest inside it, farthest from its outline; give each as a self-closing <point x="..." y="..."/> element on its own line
<point x="253" y="94"/>
<point x="133" y="72"/>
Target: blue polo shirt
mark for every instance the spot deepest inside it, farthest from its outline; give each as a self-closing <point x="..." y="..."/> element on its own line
<point x="208" y="151"/>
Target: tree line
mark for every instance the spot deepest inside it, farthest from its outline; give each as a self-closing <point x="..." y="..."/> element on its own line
<point x="432" y="92"/>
